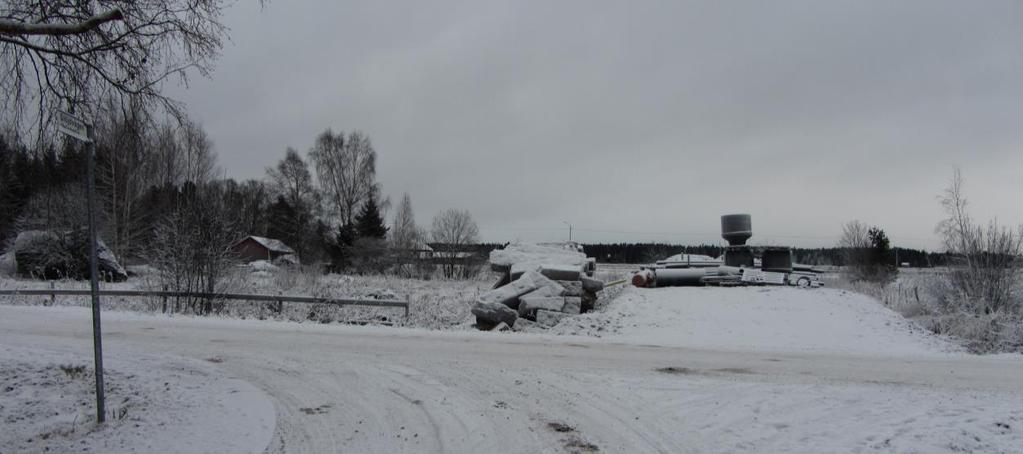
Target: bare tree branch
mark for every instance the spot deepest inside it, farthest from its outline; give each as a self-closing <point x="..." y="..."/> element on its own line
<point x="13" y="27"/>
<point x="79" y="57"/>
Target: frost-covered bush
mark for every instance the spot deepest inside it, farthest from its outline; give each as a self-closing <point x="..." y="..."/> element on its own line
<point x="923" y="295"/>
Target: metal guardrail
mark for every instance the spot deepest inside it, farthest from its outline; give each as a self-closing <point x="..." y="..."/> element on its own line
<point x="224" y="296"/>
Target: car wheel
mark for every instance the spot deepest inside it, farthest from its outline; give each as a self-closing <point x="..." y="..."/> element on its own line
<point x="803" y="282"/>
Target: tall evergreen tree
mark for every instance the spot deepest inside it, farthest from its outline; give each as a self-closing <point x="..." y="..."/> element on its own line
<point x="283" y="220"/>
<point x="369" y="223"/>
<point x="880" y="247"/>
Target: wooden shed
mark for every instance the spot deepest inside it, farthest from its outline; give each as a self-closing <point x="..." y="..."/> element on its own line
<point x="253" y="248"/>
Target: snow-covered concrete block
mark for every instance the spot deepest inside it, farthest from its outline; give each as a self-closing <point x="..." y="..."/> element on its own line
<point x="549" y="318"/>
<point x="561" y="272"/>
<point x="503" y="281"/>
<point x="499" y="268"/>
<point x="530" y="303"/>
<point x="572" y="288"/>
<point x="508" y="295"/>
<point x="573" y="305"/>
<point x="518" y="269"/>
<point x="492" y="314"/>
<point x="592" y="285"/>
<point x="548" y="290"/>
<point x="526" y="252"/>
<point x="526" y="325"/>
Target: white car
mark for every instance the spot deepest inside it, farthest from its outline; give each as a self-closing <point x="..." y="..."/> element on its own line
<point x="804" y="279"/>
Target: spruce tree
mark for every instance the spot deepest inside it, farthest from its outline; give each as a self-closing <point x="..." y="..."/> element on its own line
<point x="369" y="223"/>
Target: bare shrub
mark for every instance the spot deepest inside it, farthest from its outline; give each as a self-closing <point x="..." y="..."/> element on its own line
<point x="452" y="231"/>
<point x="192" y="248"/>
<point x="984" y="273"/>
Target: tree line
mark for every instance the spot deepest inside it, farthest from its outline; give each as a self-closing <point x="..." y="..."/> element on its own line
<point x="162" y="195"/>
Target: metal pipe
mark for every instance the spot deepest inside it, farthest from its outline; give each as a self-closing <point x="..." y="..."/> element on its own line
<point x="678" y="277"/>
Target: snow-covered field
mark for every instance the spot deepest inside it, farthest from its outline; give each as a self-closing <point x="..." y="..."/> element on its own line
<point x="657" y="370"/>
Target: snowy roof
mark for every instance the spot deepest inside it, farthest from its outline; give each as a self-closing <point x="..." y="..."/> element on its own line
<point x="271" y="244"/>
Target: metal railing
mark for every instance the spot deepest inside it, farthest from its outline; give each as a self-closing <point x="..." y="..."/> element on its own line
<point x="280" y="299"/>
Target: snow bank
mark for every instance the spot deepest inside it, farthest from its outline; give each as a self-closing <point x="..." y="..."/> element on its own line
<point x="758" y="319"/>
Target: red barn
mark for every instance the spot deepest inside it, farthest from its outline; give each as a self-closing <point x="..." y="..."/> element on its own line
<point x="254" y="248"/>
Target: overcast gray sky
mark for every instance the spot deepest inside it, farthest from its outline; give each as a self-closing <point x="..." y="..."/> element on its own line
<point x="639" y="121"/>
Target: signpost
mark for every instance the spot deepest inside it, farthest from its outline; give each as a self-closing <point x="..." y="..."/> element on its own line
<point x="79" y="129"/>
<point x="73" y="126"/>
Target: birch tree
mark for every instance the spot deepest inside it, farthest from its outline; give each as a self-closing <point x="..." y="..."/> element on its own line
<point x="71" y="54"/>
<point x="346" y="168"/>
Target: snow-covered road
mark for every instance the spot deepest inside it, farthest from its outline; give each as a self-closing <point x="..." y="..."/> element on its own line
<point x="365" y="389"/>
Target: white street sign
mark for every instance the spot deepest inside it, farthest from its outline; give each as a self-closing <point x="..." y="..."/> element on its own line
<point x="72" y="126"/>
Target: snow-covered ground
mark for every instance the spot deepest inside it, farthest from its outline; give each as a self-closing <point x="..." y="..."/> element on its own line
<point x="765" y="319"/>
<point x="676" y="386"/>
<point x="155" y="403"/>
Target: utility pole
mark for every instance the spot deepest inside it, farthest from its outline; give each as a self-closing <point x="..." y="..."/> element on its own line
<point x="569" y="230"/>
<point x="75" y="127"/>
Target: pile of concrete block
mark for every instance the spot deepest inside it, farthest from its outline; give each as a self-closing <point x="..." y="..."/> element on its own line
<point x="540" y="285"/>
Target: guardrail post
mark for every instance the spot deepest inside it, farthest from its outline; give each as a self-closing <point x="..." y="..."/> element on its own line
<point x="164" y="299"/>
<point x="53" y="297"/>
<point x="280" y="305"/>
<point x="406" y="311"/>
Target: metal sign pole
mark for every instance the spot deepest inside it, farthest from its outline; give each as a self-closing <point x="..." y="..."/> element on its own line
<point x="97" y="338"/>
<point x="79" y="129"/>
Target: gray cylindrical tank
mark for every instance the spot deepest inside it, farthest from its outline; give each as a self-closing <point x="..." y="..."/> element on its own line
<point x="736" y="228"/>
<point x="677" y="277"/>
<point x="739" y="256"/>
<point x="777" y="259"/>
